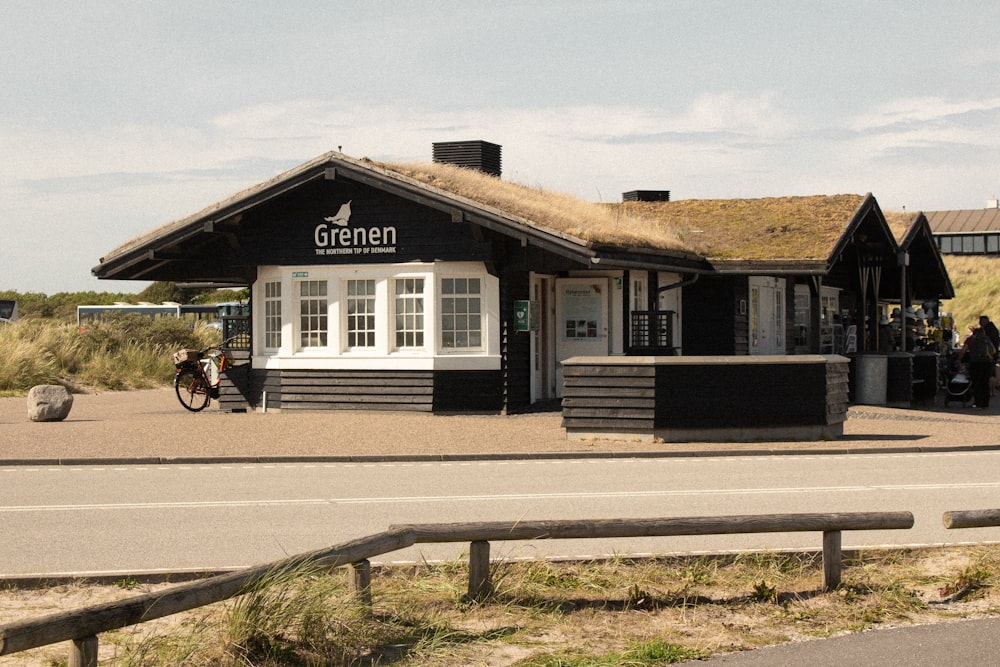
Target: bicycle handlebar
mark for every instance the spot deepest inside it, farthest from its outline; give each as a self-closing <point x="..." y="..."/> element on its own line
<point x="220" y="345"/>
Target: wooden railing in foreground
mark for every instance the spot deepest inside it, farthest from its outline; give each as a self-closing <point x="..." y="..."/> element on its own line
<point x="83" y="625"/>
<point x="971" y="519"/>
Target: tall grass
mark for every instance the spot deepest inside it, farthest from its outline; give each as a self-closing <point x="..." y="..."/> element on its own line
<point x="130" y="352"/>
<point x="976" y="279"/>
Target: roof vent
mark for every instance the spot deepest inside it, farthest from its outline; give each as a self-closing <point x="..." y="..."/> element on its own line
<point x="646" y="195"/>
<point x="993" y="203"/>
<point x="481" y="155"/>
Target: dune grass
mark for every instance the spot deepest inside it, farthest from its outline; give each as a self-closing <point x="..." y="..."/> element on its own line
<point x="129" y="352"/>
<point x="976" y="279"/>
<point x="619" y="611"/>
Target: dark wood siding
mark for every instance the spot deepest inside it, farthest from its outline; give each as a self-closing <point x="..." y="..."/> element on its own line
<point x="356" y="390"/>
<point x="468" y="391"/>
<point x="515" y="345"/>
<point x="712" y="323"/>
<point x="692" y="396"/>
<point x="282" y="231"/>
<point x="609" y="398"/>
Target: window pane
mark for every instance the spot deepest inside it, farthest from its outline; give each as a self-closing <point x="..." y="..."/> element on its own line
<point x="312" y="313"/>
<point x="458" y="328"/>
<point x="409" y="308"/>
<point x="272" y="315"/>
<point x="360" y="306"/>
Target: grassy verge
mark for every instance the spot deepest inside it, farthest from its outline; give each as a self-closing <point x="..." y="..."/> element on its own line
<point x="570" y="614"/>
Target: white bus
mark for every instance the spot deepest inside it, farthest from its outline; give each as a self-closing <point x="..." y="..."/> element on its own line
<point x="86" y="316"/>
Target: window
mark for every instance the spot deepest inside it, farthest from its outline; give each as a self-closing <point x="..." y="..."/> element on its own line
<point x="272" y="315"/>
<point x="639" y="294"/>
<point x="312" y="313"/>
<point x="360" y="306"/>
<point x="409" y="309"/>
<point x="461" y="315"/>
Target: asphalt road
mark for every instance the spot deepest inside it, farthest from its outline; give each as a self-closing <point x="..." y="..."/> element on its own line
<point x="127" y="519"/>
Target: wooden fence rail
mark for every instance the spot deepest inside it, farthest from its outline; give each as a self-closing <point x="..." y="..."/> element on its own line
<point x="83" y="625"/>
<point x="971" y="519"/>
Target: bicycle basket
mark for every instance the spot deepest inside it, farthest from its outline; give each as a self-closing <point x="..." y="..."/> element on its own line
<point x="186" y="356"/>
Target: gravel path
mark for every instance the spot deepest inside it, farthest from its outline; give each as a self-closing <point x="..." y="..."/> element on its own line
<point x="150" y="424"/>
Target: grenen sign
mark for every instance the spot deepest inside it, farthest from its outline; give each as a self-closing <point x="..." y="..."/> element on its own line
<point x="333" y="236"/>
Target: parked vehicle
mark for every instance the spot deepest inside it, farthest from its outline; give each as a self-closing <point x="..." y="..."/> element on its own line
<point x="199" y="373"/>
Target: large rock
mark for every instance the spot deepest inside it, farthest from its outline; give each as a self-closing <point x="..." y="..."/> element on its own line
<point x="49" y="403"/>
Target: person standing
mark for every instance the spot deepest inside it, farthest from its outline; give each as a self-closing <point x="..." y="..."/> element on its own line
<point x="991" y="331"/>
<point x="980" y="354"/>
<point x="994" y="335"/>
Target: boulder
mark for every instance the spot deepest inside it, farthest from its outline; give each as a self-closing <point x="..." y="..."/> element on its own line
<point x="49" y="403"/>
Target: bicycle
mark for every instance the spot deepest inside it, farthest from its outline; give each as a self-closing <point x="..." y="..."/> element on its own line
<point x="198" y="375"/>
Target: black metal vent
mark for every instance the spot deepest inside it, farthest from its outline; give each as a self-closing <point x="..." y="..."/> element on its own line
<point x="481" y="155"/>
<point x="646" y="195"/>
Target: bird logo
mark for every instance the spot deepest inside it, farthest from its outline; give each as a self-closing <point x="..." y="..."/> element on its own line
<point x="342" y="217"/>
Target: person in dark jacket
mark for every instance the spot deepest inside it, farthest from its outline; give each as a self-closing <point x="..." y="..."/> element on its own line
<point x="994" y="335"/>
<point x="979" y="352"/>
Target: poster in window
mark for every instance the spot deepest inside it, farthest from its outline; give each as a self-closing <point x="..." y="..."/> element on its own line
<point x="581" y="312"/>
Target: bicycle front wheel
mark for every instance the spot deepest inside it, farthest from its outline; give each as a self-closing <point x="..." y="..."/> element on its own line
<point x="192" y="389"/>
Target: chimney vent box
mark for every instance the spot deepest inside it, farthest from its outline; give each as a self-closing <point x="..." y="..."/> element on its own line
<point x="646" y="195"/>
<point x="481" y="155"/>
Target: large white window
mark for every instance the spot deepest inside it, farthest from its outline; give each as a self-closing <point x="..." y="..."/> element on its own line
<point x="360" y="315"/>
<point x="408" y="306"/>
<point x="313" y="314"/>
<point x="409" y="315"/>
<point x="272" y="315"/>
<point x="461" y="313"/>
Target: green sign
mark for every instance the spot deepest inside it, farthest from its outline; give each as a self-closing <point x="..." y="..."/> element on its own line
<point x="522" y="315"/>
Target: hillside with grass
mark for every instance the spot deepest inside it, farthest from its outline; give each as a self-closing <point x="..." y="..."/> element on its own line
<point x="976" y="279"/>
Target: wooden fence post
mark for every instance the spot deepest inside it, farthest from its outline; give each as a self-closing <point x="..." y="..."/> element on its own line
<point x="83" y="652"/>
<point x="479" y="570"/>
<point x="831" y="559"/>
<point x="361" y="581"/>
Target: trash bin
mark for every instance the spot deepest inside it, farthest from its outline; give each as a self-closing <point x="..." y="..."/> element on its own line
<point x="871" y="382"/>
<point x="926" y="366"/>
<point x="899" y="380"/>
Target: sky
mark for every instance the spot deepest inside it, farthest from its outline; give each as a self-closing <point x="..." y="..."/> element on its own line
<point x="119" y="116"/>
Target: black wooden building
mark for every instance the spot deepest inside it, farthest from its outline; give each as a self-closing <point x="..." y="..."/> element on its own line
<point x="441" y="288"/>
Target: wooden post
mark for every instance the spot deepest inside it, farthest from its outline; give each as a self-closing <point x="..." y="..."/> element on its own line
<point x="83" y="652"/>
<point x="831" y="559"/>
<point x="480" y="586"/>
<point x="361" y="581"/>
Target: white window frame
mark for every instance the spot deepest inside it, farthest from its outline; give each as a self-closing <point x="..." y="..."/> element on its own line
<point x="322" y="314"/>
<point x="384" y="355"/>
<point x="272" y="315"/>
<point x="444" y="313"/>
<point x="370" y="300"/>
<point x="418" y="299"/>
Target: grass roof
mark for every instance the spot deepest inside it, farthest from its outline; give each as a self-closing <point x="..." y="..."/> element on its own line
<point x="900" y="222"/>
<point x="792" y="228"/>
<point x="559" y="212"/>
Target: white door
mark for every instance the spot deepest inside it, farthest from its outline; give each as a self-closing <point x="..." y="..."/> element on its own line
<point x="581" y="321"/>
<point x="543" y="371"/>
<point x="767" y="316"/>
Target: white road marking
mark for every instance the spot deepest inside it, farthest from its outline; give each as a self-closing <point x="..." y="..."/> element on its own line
<point x="491" y="497"/>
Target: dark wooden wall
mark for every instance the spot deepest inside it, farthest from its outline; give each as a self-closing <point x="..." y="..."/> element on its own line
<point x="710" y="317"/>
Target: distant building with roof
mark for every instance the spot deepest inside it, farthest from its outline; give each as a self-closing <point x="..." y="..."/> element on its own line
<point x="967" y="232"/>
